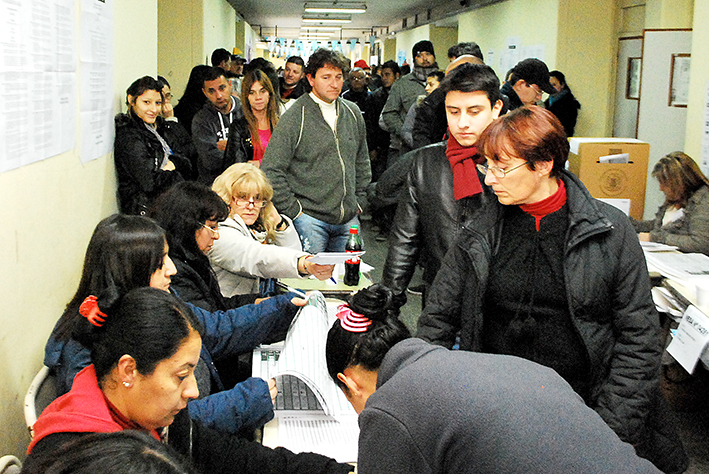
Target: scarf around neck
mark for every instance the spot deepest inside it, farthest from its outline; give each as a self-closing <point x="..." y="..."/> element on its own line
<point x="546" y="206"/>
<point x="462" y="159"/>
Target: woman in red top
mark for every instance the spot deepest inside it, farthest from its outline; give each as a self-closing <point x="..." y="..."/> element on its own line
<point x="249" y="137"/>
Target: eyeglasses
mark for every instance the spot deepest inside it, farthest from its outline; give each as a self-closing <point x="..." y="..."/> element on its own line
<point x="498" y="173"/>
<point x="258" y="203"/>
<point x="214" y="230"/>
<point x="536" y="88"/>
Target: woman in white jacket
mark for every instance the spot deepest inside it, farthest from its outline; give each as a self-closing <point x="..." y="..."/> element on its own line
<point x="255" y="241"/>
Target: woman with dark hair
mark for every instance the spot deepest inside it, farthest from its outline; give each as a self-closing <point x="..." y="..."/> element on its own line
<point x="683" y="219"/>
<point x="563" y="104"/>
<point x="122" y="452"/>
<point x="193" y="98"/>
<point x="127" y="252"/>
<point x="145" y="347"/>
<point x="249" y="136"/>
<point x="255" y="241"/>
<point x="423" y="408"/>
<point x="148" y="159"/>
<point x="190" y="213"/>
<point x="548" y="273"/>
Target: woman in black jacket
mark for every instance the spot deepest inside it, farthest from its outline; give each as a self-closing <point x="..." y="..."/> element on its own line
<point x="563" y="104"/>
<point x="549" y="274"/>
<point x="146" y="162"/>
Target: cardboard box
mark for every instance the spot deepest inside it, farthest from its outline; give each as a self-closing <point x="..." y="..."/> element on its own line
<point x="612" y="180"/>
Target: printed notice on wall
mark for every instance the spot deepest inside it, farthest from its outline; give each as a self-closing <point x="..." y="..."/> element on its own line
<point x="37" y="79"/>
<point x="96" y="78"/>
<point x="705" y="133"/>
<point x="690" y="339"/>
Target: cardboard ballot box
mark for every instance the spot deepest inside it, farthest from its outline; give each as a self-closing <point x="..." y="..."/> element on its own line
<point x="613" y="169"/>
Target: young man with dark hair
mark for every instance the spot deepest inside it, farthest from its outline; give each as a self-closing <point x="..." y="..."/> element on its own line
<point x="430" y="124"/>
<point x="527" y="81"/>
<point x="377" y="138"/>
<point x="317" y="159"/>
<point x="210" y="126"/>
<point x="293" y="83"/>
<point x="221" y="58"/>
<point x="443" y="187"/>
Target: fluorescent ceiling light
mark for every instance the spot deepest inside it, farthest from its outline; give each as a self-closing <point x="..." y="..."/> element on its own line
<point x="326" y="7"/>
<point x="321" y="28"/>
<point x="307" y="38"/>
<point x="327" y="20"/>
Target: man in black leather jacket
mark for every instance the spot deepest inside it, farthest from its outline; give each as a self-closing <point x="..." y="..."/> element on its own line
<point x="443" y="186"/>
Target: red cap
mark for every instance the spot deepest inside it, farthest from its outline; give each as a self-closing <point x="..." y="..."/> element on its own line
<point x="361" y="63"/>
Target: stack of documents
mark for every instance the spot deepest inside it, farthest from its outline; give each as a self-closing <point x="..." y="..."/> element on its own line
<point x="313" y="413"/>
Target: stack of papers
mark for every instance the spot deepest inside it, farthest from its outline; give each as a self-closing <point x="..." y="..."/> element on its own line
<point x="686" y="268"/>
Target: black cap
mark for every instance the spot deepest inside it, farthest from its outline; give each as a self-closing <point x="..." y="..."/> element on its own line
<point x="421" y="46"/>
<point x="534" y="71"/>
<point x="238" y="59"/>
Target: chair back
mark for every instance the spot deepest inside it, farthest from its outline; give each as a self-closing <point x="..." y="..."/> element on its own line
<point x="42" y="392"/>
<point x="10" y="465"/>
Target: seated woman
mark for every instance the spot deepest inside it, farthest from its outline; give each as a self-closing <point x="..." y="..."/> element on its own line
<point x="249" y="137"/>
<point x="190" y="213"/>
<point x="127" y="252"/>
<point x="239" y="257"/>
<point x="683" y="219"/>
<point x="423" y="408"/>
<point x="146" y="162"/>
<point x="145" y="347"/>
<point x="547" y="273"/>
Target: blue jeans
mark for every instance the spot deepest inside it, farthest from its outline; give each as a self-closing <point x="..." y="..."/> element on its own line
<point x="318" y="236"/>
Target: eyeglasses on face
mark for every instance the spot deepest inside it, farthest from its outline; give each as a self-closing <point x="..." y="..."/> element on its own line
<point x="213" y="229"/>
<point x="258" y="203"/>
<point x="498" y="173"/>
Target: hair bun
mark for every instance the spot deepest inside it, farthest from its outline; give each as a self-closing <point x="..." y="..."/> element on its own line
<point x="373" y="302"/>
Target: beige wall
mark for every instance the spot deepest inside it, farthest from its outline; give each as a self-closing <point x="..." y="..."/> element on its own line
<point x="698" y="81"/>
<point x="668" y="13"/>
<point x="586" y="54"/>
<point x="49" y="211"/>
<point x="534" y="22"/>
<point x="442" y="39"/>
<point x="180" y="42"/>
<point x="219" y="26"/>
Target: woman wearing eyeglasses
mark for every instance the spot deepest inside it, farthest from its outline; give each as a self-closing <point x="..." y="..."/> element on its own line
<point x="255" y="241"/>
<point x="549" y="274"/>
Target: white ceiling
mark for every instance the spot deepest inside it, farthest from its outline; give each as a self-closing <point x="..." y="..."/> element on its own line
<point x="282" y="18"/>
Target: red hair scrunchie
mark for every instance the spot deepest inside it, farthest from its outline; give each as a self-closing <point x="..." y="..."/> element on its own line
<point x="90" y="310"/>
<point x="351" y="321"/>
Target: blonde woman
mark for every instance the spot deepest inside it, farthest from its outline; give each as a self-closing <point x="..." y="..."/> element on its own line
<point x="255" y="241"/>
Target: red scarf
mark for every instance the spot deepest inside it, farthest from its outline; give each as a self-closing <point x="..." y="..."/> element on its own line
<point x="546" y="206"/>
<point x="465" y="176"/>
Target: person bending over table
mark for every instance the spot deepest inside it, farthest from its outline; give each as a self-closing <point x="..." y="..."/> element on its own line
<point x="255" y="241"/>
<point x="425" y="409"/>
<point x="683" y="219"/>
<point x="547" y="273"/>
<point x="145" y="347"/>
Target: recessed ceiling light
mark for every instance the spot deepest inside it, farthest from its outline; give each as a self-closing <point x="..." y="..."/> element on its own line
<point x="336" y="7"/>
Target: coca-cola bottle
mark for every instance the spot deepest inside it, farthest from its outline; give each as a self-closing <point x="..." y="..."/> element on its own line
<point x="354" y="244"/>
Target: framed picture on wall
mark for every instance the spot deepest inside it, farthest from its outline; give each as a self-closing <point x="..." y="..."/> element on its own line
<point x="632" y="89"/>
<point x="679" y="80"/>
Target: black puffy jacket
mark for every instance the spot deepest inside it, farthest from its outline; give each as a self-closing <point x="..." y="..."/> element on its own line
<point x="608" y="292"/>
<point x="138" y="155"/>
<point x="427" y="220"/>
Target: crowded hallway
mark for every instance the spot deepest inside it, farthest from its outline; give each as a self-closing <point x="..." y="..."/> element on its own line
<point x="242" y="160"/>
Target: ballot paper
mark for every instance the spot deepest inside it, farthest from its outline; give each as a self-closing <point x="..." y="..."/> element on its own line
<point x="333" y="258"/>
<point x="331" y="430"/>
<point x="690" y="338"/>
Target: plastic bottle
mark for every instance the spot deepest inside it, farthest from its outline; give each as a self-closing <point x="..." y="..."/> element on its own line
<point x="354" y="244"/>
